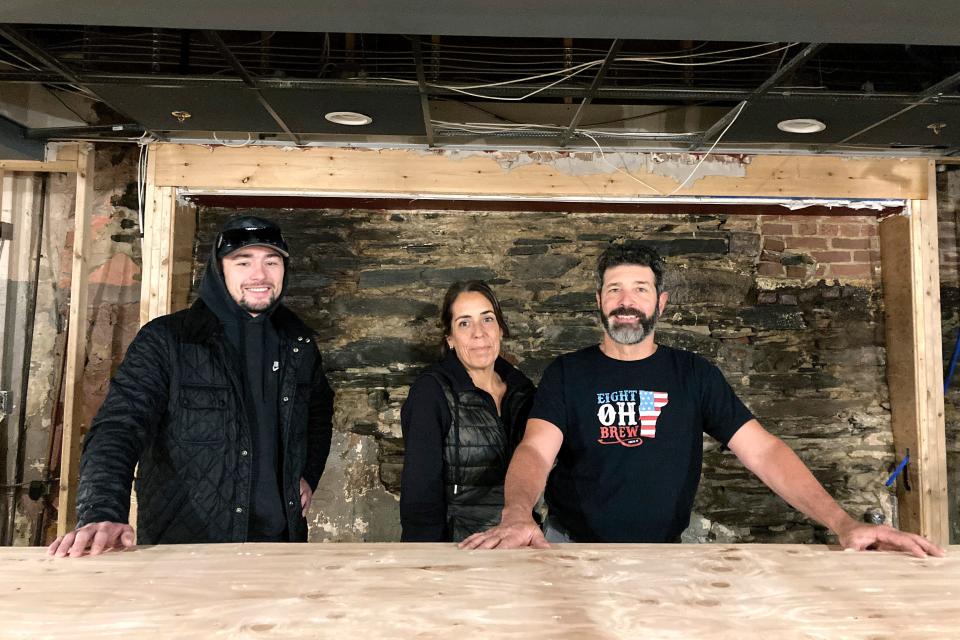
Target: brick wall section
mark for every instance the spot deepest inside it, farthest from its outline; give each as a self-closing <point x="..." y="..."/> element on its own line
<point x="805" y="249"/>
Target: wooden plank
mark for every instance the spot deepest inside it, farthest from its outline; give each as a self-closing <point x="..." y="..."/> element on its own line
<point x="73" y="425"/>
<point x="551" y="175"/>
<point x="158" y="245"/>
<point x="435" y="591"/>
<point x="181" y="271"/>
<point x="7" y="313"/>
<point x="64" y="166"/>
<point x="66" y="151"/>
<point x="911" y="290"/>
<point x="169" y="230"/>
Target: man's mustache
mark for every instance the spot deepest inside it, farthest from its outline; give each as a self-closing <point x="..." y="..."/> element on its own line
<point x="627" y="311"/>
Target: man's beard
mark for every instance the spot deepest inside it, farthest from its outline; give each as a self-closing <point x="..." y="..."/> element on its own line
<point x="257" y="307"/>
<point x="630" y="334"/>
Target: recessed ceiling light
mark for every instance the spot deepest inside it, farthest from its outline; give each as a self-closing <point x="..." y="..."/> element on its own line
<point x="801" y="125"/>
<point x="349" y="118"/>
<point x="181" y="115"/>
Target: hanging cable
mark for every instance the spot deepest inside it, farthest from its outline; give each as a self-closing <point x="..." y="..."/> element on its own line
<point x="710" y="150"/>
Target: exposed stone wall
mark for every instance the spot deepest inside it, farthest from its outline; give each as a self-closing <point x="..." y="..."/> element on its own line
<point x="805" y="353"/>
<point x="948" y="199"/>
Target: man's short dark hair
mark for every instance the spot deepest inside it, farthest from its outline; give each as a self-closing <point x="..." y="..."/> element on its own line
<point x="634" y="253"/>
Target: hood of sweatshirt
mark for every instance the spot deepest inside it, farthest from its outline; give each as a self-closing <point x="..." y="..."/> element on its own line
<point x="213" y="290"/>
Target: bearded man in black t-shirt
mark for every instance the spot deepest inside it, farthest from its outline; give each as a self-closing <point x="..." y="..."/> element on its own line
<point x="624" y="422"/>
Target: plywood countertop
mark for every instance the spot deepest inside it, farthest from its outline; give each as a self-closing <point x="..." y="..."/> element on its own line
<point x="367" y="591"/>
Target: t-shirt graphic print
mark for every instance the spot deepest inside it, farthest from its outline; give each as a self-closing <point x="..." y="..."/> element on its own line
<point x="628" y="416"/>
<point x="629" y="464"/>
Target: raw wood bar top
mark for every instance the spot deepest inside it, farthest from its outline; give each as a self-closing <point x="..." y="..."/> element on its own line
<point x="366" y="591"/>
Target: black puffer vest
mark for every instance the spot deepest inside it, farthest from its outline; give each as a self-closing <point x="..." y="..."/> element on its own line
<point x="477" y="447"/>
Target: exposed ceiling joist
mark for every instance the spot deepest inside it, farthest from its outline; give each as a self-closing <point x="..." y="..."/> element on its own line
<point x="248" y="80"/>
<point x="783" y="72"/>
<point x="592" y="92"/>
<point x="934" y="92"/>
<point x="422" y="88"/>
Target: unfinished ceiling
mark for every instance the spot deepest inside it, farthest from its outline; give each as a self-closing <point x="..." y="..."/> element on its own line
<point x="61" y="81"/>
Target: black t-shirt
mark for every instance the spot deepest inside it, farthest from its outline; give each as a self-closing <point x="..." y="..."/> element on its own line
<point x="632" y="448"/>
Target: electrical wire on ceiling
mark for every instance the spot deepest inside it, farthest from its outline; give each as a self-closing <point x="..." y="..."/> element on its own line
<point x="143" y="142"/>
<point x="505" y="127"/>
<point x="591" y="134"/>
<point x="570" y="72"/>
<point x="233" y="146"/>
<point x="710" y="150"/>
<point x="603" y="157"/>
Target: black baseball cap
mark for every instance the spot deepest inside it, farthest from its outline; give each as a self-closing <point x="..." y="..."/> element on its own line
<point x="248" y="231"/>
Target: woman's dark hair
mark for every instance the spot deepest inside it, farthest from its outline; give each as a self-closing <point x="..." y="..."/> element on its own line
<point x="446" y="311"/>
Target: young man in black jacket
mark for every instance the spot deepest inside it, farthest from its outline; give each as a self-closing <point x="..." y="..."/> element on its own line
<point x="224" y="406"/>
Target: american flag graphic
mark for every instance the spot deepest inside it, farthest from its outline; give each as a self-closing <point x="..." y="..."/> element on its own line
<point x="649" y="405"/>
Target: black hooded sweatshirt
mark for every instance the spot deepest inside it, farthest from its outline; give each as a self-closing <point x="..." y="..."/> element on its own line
<point x="256" y="351"/>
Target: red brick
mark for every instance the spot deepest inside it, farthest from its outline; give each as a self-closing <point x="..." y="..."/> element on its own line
<point x="774" y="228"/>
<point x="831" y="256"/>
<point x="850" y="243"/>
<point x="796" y="271"/>
<point x="857" y="270"/>
<point x="821" y="270"/>
<point x="773" y="244"/>
<point x="771" y="269"/>
<point x="808" y="228"/>
<point x="868" y="230"/>
<point x="848" y="230"/>
<point x="866" y="256"/>
<point x="806" y="243"/>
<point x="119" y="270"/>
<point x="829" y="228"/>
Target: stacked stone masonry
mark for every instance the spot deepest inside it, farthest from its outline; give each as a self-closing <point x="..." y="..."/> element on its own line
<point x="805" y="353"/>
<point x="948" y="199"/>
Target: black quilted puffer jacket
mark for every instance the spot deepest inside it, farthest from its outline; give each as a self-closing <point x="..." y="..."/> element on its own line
<point x="175" y="406"/>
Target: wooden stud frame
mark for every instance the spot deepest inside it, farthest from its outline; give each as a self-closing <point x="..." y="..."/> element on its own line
<point x="76" y="344"/>
<point x="908" y="258"/>
<point x="911" y="289"/>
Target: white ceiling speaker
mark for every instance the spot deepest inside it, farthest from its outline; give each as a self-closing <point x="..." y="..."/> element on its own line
<point x="349" y="118"/>
<point x="801" y="125"/>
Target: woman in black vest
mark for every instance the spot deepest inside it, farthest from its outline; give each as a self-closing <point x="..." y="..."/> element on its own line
<point x="462" y="420"/>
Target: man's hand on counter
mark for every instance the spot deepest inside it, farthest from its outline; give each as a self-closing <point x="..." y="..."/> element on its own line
<point x="97" y="536"/>
<point x="860" y="537"/>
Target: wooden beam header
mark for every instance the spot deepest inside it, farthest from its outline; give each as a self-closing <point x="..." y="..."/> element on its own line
<point x="546" y="174"/>
<point x="58" y="166"/>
